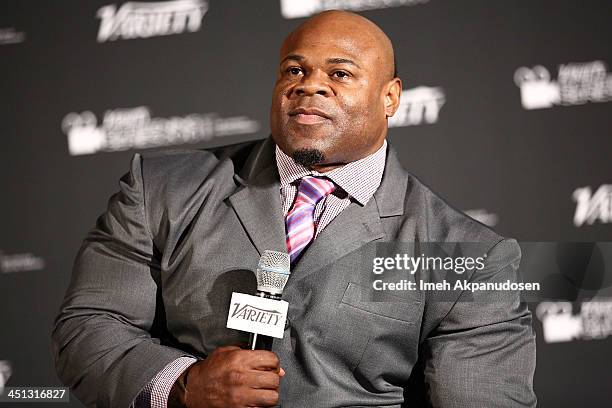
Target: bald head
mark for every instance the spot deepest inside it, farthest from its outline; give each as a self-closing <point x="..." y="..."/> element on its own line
<point x="335" y="89"/>
<point x="347" y="25"/>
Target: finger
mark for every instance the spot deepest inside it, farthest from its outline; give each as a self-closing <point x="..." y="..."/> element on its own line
<point x="228" y="348"/>
<point x="258" y="379"/>
<point x="239" y="344"/>
<point x="262" y="398"/>
<point x="262" y="360"/>
<point x="281" y="372"/>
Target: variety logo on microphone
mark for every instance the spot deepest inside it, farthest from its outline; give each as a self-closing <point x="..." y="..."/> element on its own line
<point x="593" y="207"/>
<point x="576" y="84"/>
<point x="305" y="8"/>
<point x="144" y="20"/>
<point x="257" y="314"/>
<point x="420" y="105"/>
<point x="134" y="128"/>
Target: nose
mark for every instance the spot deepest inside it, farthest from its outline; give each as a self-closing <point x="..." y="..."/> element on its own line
<point x="312" y="84"/>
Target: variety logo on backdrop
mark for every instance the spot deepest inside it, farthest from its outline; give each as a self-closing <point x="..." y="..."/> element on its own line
<point x="5" y="373"/>
<point x="593" y="207"/>
<point x="577" y="83"/>
<point x="560" y="324"/>
<point x="11" y="36"/>
<point x="144" y="20"/>
<point x="10" y="263"/>
<point x="420" y="105"/>
<point x="305" y="8"/>
<point x="134" y="128"/>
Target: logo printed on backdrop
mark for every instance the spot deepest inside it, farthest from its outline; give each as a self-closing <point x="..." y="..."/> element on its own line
<point x="593" y="207"/>
<point x="5" y="373"/>
<point x="134" y="128"/>
<point x="420" y="105"/>
<point x="577" y="83"/>
<point x="305" y="8"/>
<point x="594" y="321"/>
<point x="26" y="262"/>
<point x="11" y="36"/>
<point x="144" y="20"/>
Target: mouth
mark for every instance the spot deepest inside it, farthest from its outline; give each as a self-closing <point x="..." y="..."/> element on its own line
<point x="308" y="116"/>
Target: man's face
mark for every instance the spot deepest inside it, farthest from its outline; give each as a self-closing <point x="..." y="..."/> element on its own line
<point x="330" y="96"/>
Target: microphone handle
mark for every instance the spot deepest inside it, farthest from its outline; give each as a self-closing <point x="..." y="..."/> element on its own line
<point x="259" y="341"/>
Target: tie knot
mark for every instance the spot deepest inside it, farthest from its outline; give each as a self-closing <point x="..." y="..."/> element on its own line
<point x="312" y="189"/>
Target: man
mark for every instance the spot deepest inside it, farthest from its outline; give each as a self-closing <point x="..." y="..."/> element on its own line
<point x="144" y="318"/>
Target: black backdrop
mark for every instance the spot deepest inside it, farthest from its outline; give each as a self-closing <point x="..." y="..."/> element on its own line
<point x="506" y="113"/>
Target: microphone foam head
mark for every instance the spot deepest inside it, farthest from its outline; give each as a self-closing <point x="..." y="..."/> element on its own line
<point x="272" y="272"/>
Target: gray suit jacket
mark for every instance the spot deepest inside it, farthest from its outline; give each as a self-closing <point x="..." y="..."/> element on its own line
<point x="153" y="279"/>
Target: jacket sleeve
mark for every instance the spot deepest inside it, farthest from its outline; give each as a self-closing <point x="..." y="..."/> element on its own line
<point x="102" y="342"/>
<point x="483" y="352"/>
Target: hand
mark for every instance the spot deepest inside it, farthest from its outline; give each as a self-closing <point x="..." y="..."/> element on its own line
<point x="232" y="377"/>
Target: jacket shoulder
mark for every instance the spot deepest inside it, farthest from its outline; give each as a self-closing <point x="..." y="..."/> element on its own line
<point x="443" y="222"/>
<point x="193" y="163"/>
<point x="176" y="182"/>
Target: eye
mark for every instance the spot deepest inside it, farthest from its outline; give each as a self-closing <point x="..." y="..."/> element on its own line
<point x="294" y="70"/>
<point x="341" y="74"/>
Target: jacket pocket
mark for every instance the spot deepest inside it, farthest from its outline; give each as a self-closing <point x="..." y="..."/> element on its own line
<point x="382" y="303"/>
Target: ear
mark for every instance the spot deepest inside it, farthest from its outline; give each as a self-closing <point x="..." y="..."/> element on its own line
<point x="393" y="90"/>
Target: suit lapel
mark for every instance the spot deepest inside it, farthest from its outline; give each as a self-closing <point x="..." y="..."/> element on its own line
<point x="257" y="203"/>
<point x="350" y="230"/>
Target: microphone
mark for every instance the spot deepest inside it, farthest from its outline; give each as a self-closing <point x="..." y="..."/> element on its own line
<point x="264" y="314"/>
<point x="272" y="274"/>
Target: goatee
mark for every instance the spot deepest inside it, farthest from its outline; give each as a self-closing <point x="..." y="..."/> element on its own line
<point x="308" y="157"/>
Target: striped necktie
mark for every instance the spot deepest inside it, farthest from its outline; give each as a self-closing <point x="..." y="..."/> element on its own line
<point x="299" y="222"/>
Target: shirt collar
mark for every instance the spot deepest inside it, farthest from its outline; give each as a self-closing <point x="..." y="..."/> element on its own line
<point x="360" y="179"/>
